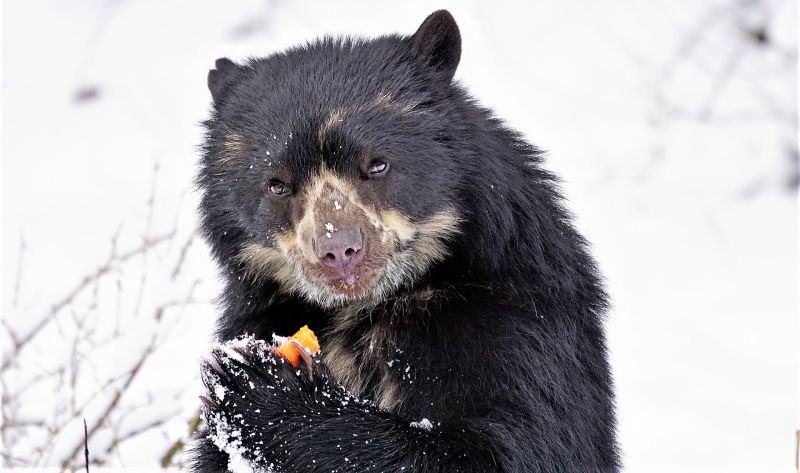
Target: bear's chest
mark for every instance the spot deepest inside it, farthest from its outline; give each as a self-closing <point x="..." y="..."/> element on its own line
<point x="370" y="365"/>
<point x="383" y="354"/>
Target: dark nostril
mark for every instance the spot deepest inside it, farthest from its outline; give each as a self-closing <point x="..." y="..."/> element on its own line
<point x="329" y="257"/>
<point x="349" y="252"/>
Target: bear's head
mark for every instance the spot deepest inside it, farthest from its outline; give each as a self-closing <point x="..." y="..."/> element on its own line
<point x="333" y="168"/>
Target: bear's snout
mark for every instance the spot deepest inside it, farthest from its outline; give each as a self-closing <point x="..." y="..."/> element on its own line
<point x="341" y="250"/>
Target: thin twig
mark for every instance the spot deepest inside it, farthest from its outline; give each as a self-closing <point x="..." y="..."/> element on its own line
<point x="85" y="445"/>
<point x="179" y="445"/>
<point x="151" y="206"/>
<point x="115" y="400"/>
<point x="721" y="81"/>
<point x="182" y="255"/>
<point x="85" y="282"/>
<point x="135" y="432"/>
<point x="18" y="281"/>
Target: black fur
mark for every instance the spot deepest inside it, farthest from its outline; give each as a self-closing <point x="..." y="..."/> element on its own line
<point x="505" y="354"/>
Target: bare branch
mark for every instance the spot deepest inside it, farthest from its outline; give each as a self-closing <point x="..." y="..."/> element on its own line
<point x="180" y="444"/>
<point x="115" y="399"/>
<point x="85" y="282"/>
<point x="182" y="255"/>
<point x="148" y="230"/>
<point x="133" y="433"/>
<point x="18" y="281"/>
<point x="86" y="446"/>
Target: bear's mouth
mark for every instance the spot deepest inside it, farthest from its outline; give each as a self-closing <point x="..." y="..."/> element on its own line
<point x="354" y="286"/>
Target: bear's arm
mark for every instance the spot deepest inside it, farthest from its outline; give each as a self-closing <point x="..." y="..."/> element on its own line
<point x="272" y="415"/>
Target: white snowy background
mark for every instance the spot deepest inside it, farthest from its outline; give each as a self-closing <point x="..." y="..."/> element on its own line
<point x="672" y="123"/>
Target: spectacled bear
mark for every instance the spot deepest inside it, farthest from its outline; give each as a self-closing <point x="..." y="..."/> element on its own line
<point x="353" y="186"/>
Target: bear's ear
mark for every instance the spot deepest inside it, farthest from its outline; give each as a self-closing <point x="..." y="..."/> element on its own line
<point x="221" y="78"/>
<point x="438" y="43"/>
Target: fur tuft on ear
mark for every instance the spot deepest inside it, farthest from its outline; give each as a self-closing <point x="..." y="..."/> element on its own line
<point x="438" y="43"/>
<point x="221" y="78"/>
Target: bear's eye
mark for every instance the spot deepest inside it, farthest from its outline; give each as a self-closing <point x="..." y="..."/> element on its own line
<point x="278" y="188"/>
<point x="378" y="168"/>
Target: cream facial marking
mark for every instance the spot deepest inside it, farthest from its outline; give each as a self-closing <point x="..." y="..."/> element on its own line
<point x="333" y="119"/>
<point x="396" y="249"/>
<point x="407" y="251"/>
<point x="267" y="262"/>
<point x="233" y="148"/>
<point x="383" y="101"/>
<point x="388" y="101"/>
<point x="324" y="200"/>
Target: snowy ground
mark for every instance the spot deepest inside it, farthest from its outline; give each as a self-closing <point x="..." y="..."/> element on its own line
<point x="673" y="126"/>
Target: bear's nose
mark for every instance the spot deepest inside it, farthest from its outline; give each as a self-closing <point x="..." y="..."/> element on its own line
<point x="341" y="250"/>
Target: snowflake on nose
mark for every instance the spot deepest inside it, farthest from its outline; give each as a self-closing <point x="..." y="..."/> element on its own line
<point x="329" y="229"/>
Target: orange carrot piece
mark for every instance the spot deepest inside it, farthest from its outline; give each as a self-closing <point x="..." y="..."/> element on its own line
<point x="291" y="351"/>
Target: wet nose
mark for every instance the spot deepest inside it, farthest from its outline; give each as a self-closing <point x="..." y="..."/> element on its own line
<point x="341" y="251"/>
